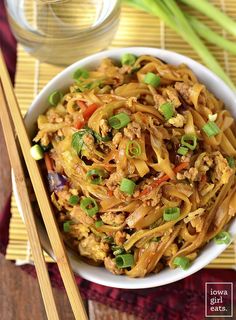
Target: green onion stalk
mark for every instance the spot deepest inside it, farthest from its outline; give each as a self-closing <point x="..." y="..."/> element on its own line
<point x="214" y="13"/>
<point x="210" y="35"/>
<point x="171" y="14"/>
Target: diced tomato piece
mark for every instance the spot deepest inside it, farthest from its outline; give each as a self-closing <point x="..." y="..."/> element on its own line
<point x="89" y="111"/>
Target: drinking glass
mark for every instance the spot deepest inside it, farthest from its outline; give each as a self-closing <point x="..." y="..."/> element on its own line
<point x="63" y="31"/>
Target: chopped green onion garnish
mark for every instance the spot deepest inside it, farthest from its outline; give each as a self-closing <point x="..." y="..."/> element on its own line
<point x="108" y="239"/>
<point x="124" y="260"/>
<point x="117" y="250"/>
<point x="211" y="129"/>
<point x="182" y="151"/>
<point x="156" y="239"/>
<point x="171" y="214"/>
<point x="167" y="110"/>
<point x="231" y="162"/>
<point x="128" y="59"/>
<point x="66" y="226"/>
<point x="98" y="223"/>
<point x="55" y="97"/>
<point x="189" y="141"/>
<point x="133" y="149"/>
<point x="119" y="121"/>
<point x="95" y="176"/>
<point x="182" y="262"/>
<point x="81" y="73"/>
<point x="127" y="186"/>
<point x="222" y="238"/>
<point x="89" y="206"/>
<point x="36" y="152"/>
<point x="152" y="79"/>
<point x="74" y="200"/>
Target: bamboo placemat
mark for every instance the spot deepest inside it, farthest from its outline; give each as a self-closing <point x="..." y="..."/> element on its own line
<point x="136" y="29"/>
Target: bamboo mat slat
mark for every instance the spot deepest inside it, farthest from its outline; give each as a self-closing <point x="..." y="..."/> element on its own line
<point x="136" y="29"/>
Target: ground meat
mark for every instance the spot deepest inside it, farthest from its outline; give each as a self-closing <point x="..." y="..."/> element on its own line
<point x="54" y="117"/>
<point x="222" y="170"/>
<point x="184" y="188"/>
<point x="89" y="140"/>
<point x="45" y="140"/>
<point x="153" y="200"/>
<point x="133" y="130"/>
<point x="117" y="138"/>
<point x="178" y="121"/>
<point x="123" y="110"/>
<point x="113" y="218"/>
<point x="91" y="247"/>
<point x="103" y="124"/>
<point x="115" y="179"/>
<point x="191" y="174"/>
<point x="208" y="160"/>
<point x="80" y="216"/>
<point x="173" y="96"/>
<point x="120" y="238"/>
<point x="184" y="89"/>
<point x="197" y="223"/>
<point x="158" y="99"/>
<point x="111" y="266"/>
<point x="69" y="119"/>
<point x="79" y="231"/>
<point x="171" y="250"/>
<point x="130" y="102"/>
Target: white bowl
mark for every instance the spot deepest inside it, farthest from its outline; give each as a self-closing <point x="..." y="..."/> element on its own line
<point x="62" y="81"/>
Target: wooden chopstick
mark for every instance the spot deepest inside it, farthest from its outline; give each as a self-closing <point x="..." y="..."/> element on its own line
<point x="40" y="265"/>
<point x="42" y="198"/>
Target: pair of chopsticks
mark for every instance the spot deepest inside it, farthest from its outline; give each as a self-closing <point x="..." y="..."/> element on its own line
<point x="12" y="122"/>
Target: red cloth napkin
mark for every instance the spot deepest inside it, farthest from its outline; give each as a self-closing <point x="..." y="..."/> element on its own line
<point x="182" y="300"/>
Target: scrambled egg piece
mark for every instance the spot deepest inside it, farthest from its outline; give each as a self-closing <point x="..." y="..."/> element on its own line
<point x="90" y="247"/>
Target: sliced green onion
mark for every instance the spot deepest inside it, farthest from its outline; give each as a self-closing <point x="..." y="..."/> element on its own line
<point x="152" y="79"/>
<point x="108" y="239"/>
<point x="89" y="206"/>
<point x="128" y="59"/>
<point x="171" y="214"/>
<point x="156" y="239"/>
<point x="119" y="121"/>
<point x="211" y="129"/>
<point x="222" y="238"/>
<point x="133" y="149"/>
<point x="187" y="138"/>
<point x="66" y="226"/>
<point x="74" y="200"/>
<point x="182" y="262"/>
<point x="55" y="97"/>
<point x="167" y="110"/>
<point x="127" y="186"/>
<point x="117" y="250"/>
<point x="124" y="260"/>
<point x="182" y="151"/>
<point x="36" y="152"/>
<point x="231" y="162"/>
<point x="95" y="176"/>
<point x="80" y="73"/>
<point x="98" y="223"/>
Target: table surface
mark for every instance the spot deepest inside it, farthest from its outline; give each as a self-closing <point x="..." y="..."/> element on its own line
<point x="19" y="293"/>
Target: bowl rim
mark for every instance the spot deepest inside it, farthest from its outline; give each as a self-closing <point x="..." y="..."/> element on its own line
<point x="84" y="270"/>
